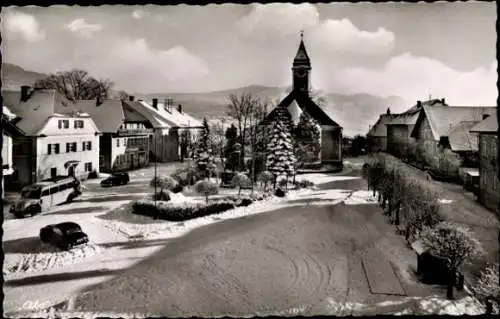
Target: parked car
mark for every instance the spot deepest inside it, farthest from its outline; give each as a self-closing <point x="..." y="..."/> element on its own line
<point x="64" y="235"/>
<point x="115" y="179"/>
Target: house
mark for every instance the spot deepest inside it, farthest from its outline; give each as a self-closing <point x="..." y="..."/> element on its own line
<point x="299" y="101"/>
<point x="377" y="135"/>
<point x="398" y="128"/>
<point x="171" y="122"/>
<point x="489" y="183"/>
<point x="9" y="131"/>
<point x="57" y="140"/>
<point x="442" y="127"/>
<point x="125" y="140"/>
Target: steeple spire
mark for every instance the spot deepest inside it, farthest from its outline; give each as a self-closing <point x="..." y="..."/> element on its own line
<point x="302" y="58"/>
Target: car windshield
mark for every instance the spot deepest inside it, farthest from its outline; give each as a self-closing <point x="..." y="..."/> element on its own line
<point x="31" y="193"/>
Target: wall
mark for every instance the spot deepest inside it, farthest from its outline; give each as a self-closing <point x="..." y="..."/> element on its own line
<point x="331" y="144"/>
<point x="397" y="140"/>
<point x="129" y="152"/>
<point x="45" y="161"/>
<point x="377" y="143"/>
<point x="7" y="155"/>
<point x="427" y="146"/>
<point x="23" y="157"/>
<point x="488" y="180"/>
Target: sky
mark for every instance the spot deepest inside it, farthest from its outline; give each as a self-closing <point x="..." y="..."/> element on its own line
<point x="411" y="50"/>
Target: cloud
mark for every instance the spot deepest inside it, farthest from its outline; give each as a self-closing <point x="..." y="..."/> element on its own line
<point x="24" y="24"/>
<point x="414" y="78"/>
<point x="343" y="36"/>
<point x="139" y="14"/>
<point x="135" y="65"/>
<point x="83" y="28"/>
<point x="273" y="22"/>
<point x="278" y="19"/>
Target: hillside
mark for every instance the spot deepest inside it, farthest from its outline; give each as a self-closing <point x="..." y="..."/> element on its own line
<point x="14" y="76"/>
<point x="354" y="112"/>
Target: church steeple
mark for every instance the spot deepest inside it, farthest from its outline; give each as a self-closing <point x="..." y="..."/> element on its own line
<point x="301" y="68"/>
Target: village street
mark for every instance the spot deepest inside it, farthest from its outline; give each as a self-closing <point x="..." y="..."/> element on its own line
<point x="329" y="251"/>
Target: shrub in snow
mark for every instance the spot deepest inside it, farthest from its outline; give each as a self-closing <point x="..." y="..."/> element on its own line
<point x="162" y="196"/>
<point x="177" y="189"/>
<point x="487" y="284"/>
<point x="279" y="192"/>
<point x="305" y="183"/>
<point x="452" y="241"/>
<point x="241" y="180"/>
<point x="266" y="177"/>
<point x="206" y="189"/>
<point x="181" y="212"/>
<point x="163" y="182"/>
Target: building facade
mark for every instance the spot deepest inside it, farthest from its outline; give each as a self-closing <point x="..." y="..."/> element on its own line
<point x="489" y="183"/>
<point x="125" y="134"/>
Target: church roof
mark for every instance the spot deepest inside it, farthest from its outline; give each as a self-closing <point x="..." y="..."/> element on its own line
<point x="307" y="105"/>
<point x="301" y="58"/>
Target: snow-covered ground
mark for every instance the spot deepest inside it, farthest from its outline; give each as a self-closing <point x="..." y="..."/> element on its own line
<point x="105" y="215"/>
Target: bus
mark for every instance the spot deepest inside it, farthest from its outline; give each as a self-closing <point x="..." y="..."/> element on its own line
<point x="41" y="196"/>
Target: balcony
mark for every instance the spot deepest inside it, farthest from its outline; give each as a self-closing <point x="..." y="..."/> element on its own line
<point x="134" y="131"/>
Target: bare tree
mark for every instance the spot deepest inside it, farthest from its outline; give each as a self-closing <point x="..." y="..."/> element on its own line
<point x="218" y="139"/>
<point x="76" y="85"/>
<point x="241" y="108"/>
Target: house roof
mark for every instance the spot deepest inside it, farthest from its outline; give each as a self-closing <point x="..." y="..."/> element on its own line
<point x="108" y="116"/>
<point x="403" y="119"/>
<point x="35" y="111"/>
<point x="153" y="117"/>
<point x="489" y="125"/>
<point x="443" y="118"/>
<point x="379" y="129"/>
<point x="431" y="102"/>
<point x="307" y="105"/>
<point x="461" y="139"/>
<point x="173" y="117"/>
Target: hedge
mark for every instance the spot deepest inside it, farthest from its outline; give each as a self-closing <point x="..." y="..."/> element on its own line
<point x="175" y="212"/>
<point x="403" y="193"/>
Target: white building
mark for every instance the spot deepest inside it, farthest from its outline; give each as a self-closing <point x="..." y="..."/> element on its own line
<point x="8" y="132"/>
<point x="56" y="140"/>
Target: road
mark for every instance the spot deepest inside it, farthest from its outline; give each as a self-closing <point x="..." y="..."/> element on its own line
<point x="308" y="258"/>
<point x="315" y="259"/>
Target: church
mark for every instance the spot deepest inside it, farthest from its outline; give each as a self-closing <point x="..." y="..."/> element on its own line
<point x="299" y="101"/>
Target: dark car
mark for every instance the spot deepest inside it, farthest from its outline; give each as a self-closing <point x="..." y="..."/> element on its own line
<point x="64" y="235"/>
<point x="115" y="179"/>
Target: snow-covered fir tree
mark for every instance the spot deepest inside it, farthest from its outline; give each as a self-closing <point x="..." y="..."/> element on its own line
<point x="280" y="151"/>
<point x="203" y="154"/>
<point x="307" y="135"/>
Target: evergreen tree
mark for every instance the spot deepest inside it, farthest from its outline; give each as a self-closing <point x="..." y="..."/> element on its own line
<point x="203" y="154"/>
<point x="280" y="152"/>
<point x="231" y="138"/>
<point x="307" y="135"/>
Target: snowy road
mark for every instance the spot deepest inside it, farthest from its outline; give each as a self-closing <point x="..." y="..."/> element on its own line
<point x="299" y="255"/>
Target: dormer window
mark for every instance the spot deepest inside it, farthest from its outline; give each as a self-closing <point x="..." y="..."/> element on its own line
<point x="78" y="123"/>
<point x="63" y="124"/>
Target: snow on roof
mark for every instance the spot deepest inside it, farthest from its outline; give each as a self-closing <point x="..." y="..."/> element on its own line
<point x="8" y="113"/>
<point x="173" y="116"/>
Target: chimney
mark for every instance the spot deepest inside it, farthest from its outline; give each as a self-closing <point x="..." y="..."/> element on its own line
<point x="485" y="116"/>
<point x="443" y="101"/>
<point x="419" y="104"/>
<point x="25" y="90"/>
<point x="155" y="103"/>
<point x="179" y="108"/>
<point x="131" y="98"/>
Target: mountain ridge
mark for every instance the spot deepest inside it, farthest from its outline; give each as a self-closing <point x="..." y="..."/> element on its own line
<point x="355" y="112"/>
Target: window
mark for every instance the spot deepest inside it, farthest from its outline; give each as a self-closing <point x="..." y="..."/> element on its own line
<point x="87" y="146"/>
<point x="63" y="187"/>
<point x="49" y="149"/>
<point x="45" y="192"/>
<point x="54" y="190"/>
<point x="68" y="147"/>
<point x="53" y="172"/>
<point x="88" y="167"/>
<point x="117" y="142"/>
<point x="63" y="124"/>
<point x="78" y="124"/>
<point x="56" y="148"/>
<point x="71" y="147"/>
